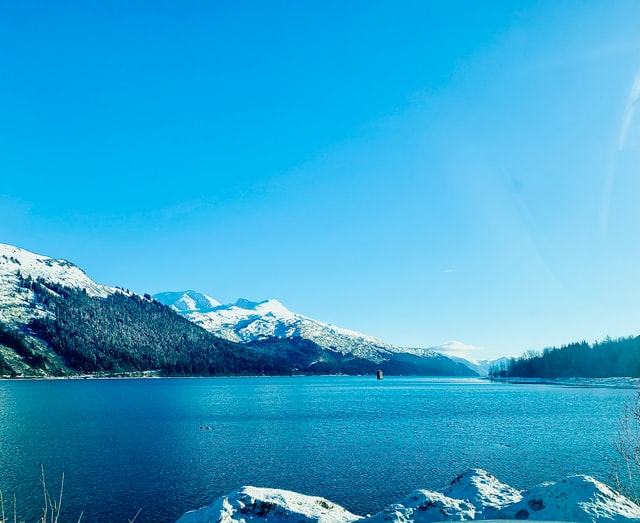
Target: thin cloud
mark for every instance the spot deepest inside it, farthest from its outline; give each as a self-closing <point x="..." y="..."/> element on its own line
<point x="629" y="112"/>
<point x="623" y="139"/>
<point x="457" y="348"/>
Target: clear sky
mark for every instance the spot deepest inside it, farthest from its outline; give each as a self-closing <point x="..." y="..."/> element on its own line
<point x="420" y="171"/>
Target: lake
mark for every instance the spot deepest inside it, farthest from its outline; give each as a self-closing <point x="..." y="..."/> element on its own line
<point x="170" y="445"/>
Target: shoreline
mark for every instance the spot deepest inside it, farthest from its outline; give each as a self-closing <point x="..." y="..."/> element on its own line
<point x="614" y="382"/>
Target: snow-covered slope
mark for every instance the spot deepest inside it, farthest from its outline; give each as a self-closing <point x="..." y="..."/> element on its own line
<point x="22" y="353"/>
<point x="16" y="301"/>
<point x="188" y="301"/>
<point x="245" y="321"/>
<point x="475" y="495"/>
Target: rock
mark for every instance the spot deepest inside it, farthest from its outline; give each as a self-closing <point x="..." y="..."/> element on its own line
<point x="474" y="495"/>
<point x="424" y="506"/>
<point x="252" y="504"/>
<point x="576" y="498"/>
<point x="485" y="492"/>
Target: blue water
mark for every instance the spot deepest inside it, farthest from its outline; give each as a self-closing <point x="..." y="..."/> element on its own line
<point x="170" y="445"/>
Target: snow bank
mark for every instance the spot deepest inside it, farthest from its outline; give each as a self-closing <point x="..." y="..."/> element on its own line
<point x="474" y="495"/>
<point x="275" y="506"/>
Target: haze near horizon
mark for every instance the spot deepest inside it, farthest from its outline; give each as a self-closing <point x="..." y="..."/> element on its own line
<point x="420" y="172"/>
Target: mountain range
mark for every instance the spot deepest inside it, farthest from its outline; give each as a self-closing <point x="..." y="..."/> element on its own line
<point x="55" y="320"/>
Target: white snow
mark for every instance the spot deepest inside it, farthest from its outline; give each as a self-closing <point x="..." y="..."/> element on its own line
<point x="13" y="259"/>
<point x="188" y="301"/>
<point x="275" y="506"/>
<point x="245" y="321"/>
<point x="424" y="506"/>
<point x="484" y="491"/>
<point x="474" y="495"/>
<point x="576" y="498"/>
<point x="17" y="304"/>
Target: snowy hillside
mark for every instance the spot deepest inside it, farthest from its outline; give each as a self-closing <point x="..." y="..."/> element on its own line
<point x="250" y="504"/>
<point x="16" y="301"/>
<point x="475" y="495"/>
<point x="21" y="353"/>
<point x="245" y="321"/>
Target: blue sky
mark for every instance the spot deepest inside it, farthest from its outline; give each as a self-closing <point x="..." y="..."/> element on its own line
<point x="418" y="171"/>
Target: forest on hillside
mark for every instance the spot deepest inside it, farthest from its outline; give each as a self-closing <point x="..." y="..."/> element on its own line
<point x="602" y="359"/>
<point x="126" y="332"/>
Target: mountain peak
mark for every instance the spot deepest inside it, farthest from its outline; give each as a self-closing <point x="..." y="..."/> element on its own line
<point x="188" y="301"/>
<point x="264" y="307"/>
<point x="247" y="321"/>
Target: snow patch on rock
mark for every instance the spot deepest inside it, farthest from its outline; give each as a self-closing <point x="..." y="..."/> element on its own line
<point x="576" y="498"/>
<point x="250" y="504"/>
<point x="424" y="506"/>
<point x="474" y="495"/>
<point x="487" y="494"/>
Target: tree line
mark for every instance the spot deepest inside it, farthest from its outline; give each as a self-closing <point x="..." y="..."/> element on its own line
<point x="602" y="359"/>
<point x="126" y="333"/>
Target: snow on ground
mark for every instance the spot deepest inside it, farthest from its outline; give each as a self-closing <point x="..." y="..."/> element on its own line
<point x="275" y="506"/>
<point x="576" y="498"/>
<point x="474" y="495"/>
<point x="487" y="494"/>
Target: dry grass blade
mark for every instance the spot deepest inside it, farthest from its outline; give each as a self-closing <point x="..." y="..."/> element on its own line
<point x="51" y="509"/>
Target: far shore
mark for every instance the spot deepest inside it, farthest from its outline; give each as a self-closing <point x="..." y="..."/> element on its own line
<point x="617" y="382"/>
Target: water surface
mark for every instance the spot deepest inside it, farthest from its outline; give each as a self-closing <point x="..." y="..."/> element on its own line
<point x="171" y="445"/>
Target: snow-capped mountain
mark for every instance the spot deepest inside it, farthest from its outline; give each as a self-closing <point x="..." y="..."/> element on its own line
<point x="55" y="320"/>
<point x="247" y="321"/>
<point x="188" y="301"/>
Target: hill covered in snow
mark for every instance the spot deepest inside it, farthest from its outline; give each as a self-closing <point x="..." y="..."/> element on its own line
<point x="256" y="322"/>
<point x="474" y="495"/>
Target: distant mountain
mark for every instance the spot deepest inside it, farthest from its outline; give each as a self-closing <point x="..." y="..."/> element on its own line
<point x="259" y="322"/>
<point x="55" y="320"/>
<point x="188" y="301"/>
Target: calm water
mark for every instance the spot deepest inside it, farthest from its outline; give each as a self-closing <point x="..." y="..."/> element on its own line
<point x="171" y="445"/>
